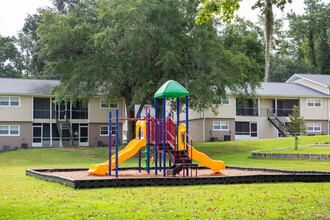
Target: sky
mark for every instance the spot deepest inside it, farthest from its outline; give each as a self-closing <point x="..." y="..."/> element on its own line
<point x="13" y="12"/>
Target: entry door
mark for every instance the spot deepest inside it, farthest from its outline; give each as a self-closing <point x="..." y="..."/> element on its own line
<point x="37" y="136"/>
<point x="254" y="129"/>
<point x="83" y="135"/>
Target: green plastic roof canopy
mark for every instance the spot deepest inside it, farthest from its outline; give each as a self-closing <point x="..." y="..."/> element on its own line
<point x="171" y="89"/>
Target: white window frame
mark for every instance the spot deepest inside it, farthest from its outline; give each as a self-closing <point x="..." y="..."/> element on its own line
<point x="222" y="101"/>
<point x="109" y="105"/>
<point x="112" y="130"/>
<point x="313" y="101"/>
<point x="9" y="101"/>
<point x="9" y="130"/>
<point x="313" y="126"/>
<point x="221" y="124"/>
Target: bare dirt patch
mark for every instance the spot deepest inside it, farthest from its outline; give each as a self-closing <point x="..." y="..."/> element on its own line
<point x="70" y="148"/>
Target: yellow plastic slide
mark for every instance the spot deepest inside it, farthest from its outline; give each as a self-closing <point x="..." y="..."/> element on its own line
<point x="129" y="151"/>
<point x="214" y="165"/>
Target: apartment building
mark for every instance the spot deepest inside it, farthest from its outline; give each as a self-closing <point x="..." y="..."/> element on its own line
<point x="30" y="118"/>
<point x="267" y="115"/>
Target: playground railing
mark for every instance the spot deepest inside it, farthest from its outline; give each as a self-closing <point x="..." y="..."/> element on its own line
<point x="186" y="143"/>
<point x="170" y="141"/>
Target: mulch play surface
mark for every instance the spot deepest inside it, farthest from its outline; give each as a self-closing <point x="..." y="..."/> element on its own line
<point x="79" y="175"/>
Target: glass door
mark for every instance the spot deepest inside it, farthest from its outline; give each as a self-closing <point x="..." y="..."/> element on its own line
<point x="37" y="135"/>
<point x="83" y="135"/>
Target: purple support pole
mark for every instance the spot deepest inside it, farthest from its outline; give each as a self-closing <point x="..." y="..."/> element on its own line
<point x="140" y="149"/>
<point x="148" y="139"/>
<point x="164" y="136"/>
<point x="110" y="142"/>
<point x="117" y="143"/>
<point x="187" y="126"/>
<point x="156" y="137"/>
<point x="160" y="141"/>
<point x="177" y="121"/>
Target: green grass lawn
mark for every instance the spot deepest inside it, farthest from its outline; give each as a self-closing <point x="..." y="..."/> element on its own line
<point x="24" y="197"/>
<point x="301" y="150"/>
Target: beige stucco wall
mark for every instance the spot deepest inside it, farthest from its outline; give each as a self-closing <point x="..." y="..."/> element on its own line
<point x="223" y="111"/>
<point x="94" y="134"/>
<point x="22" y="113"/>
<point x="16" y="141"/>
<point x="312" y="85"/>
<point x="100" y="115"/>
<point x="266" y="129"/>
<point x="314" y="113"/>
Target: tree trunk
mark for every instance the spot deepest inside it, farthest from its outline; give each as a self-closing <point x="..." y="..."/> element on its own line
<point x="269" y="25"/>
<point x="130" y="124"/>
<point x="311" y="46"/>
<point x="296" y="142"/>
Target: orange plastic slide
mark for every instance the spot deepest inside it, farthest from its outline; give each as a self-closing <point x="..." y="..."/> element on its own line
<point x="129" y="151"/>
<point x="215" y="165"/>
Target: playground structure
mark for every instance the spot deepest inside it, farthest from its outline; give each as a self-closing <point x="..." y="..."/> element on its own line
<point x="165" y="135"/>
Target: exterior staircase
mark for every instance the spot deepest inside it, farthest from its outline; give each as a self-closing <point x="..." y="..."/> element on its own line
<point x="65" y="132"/>
<point x="279" y="124"/>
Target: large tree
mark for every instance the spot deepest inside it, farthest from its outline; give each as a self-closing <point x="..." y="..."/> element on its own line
<point x="310" y="33"/>
<point x="10" y="59"/>
<point x="225" y="9"/>
<point x="130" y="48"/>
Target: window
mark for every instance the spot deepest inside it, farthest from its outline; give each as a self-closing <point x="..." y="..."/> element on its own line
<point x="9" y="130"/>
<point x="41" y="108"/>
<point x="220" y="126"/>
<point x="314" y="102"/>
<point x="104" y="131"/>
<point x="313" y="127"/>
<point x="9" y="101"/>
<point x="111" y="104"/>
<point x="225" y="101"/>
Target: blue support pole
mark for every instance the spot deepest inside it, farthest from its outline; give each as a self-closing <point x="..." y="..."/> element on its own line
<point x="110" y="142"/>
<point x="187" y="126"/>
<point x="140" y="149"/>
<point x="148" y="139"/>
<point x="177" y="121"/>
<point x="164" y="136"/>
<point x="117" y="143"/>
<point x="156" y="137"/>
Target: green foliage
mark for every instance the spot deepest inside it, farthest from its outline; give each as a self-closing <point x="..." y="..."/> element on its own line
<point x="297" y="125"/>
<point x="311" y="35"/>
<point x="130" y="48"/>
<point x="10" y="59"/>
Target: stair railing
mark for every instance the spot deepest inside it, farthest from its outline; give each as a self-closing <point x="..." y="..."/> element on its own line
<point x="70" y="130"/>
<point x="58" y="125"/>
<point x="277" y="122"/>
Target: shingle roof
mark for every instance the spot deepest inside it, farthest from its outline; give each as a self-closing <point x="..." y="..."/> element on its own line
<point x="26" y="86"/>
<point x="320" y="79"/>
<point x="286" y="90"/>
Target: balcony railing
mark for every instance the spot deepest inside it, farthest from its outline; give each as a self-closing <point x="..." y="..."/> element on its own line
<point x="282" y="112"/>
<point x="247" y="111"/>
